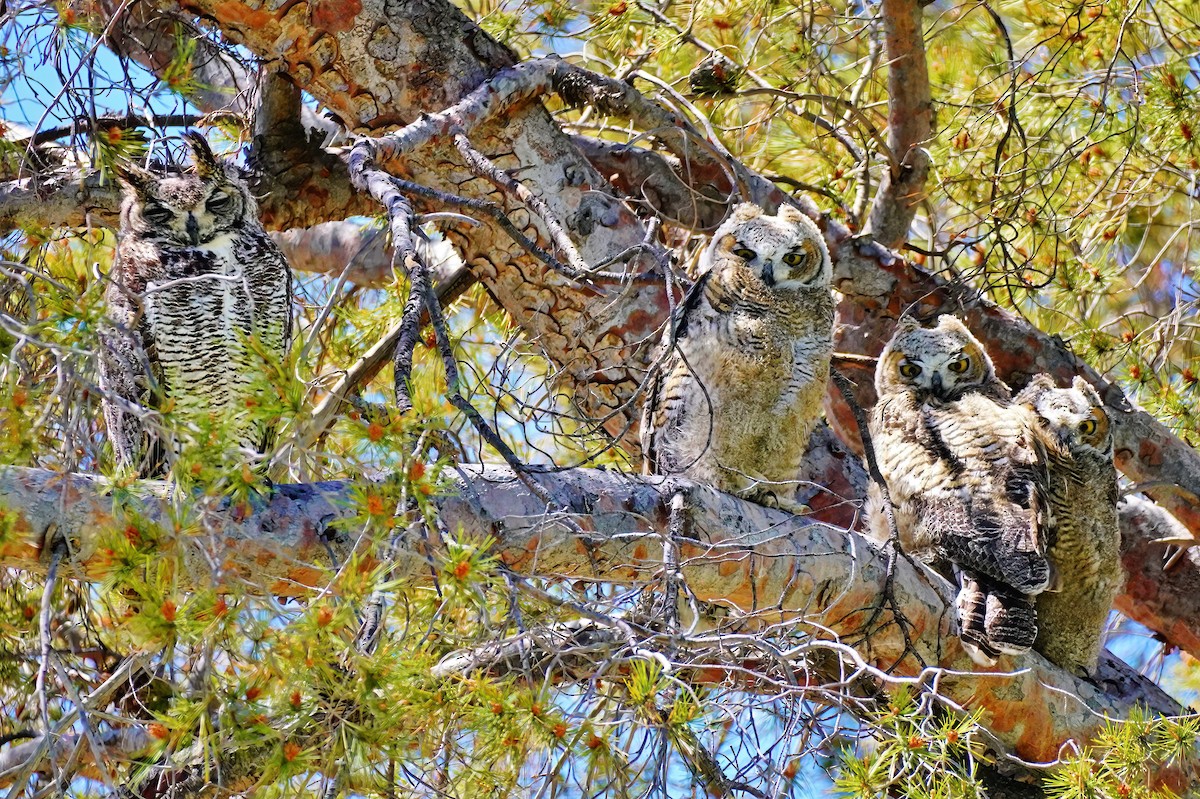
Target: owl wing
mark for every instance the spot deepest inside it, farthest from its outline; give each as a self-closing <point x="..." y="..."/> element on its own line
<point x="965" y="490"/>
<point x="271" y="261"/>
<point x="996" y="528"/>
<point x="131" y="378"/>
<point x="666" y="409"/>
<point x="278" y="261"/>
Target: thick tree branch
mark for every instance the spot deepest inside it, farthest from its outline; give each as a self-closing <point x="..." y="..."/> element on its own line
<point x="64" y="199"/>
<point x="59" y="198"/>
<point x="1165" y="598"/>
<point x="821" y="580"/>
<point x="910" y="117"/>
<point x="150" y="34"/>
<point x="329" y="247"/>
<point x="693" y="194"/>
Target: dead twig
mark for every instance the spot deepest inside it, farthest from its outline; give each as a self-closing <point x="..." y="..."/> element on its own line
<point x="893" y="543"/>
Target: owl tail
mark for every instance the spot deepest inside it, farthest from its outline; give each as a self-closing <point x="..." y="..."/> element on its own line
<point x="993" y="619"/>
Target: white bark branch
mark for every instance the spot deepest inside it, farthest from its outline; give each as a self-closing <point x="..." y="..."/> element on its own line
<point x="782" y="568"/>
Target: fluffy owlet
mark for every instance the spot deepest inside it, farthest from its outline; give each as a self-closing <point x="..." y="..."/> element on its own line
<point x="195" y="287"/>
<point x="1084" y="548"/>
<point x="963" y="466"/>
<point x="747" y="359"/>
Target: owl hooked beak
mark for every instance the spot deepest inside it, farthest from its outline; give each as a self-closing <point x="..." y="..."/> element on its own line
<point x="768" y="274"/>
<point x="935" y="382"/>
<point x="193" y="229"/>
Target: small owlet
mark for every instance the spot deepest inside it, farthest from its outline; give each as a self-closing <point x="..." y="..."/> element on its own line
<point x="195" y="286"/>
<point x="742" y="383"/>
<point x="963" y="466"/>
<point x="1086" y="541"/>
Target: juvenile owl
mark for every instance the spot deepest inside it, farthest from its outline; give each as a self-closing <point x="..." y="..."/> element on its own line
<point x="745" y="373"/>
<point x="196" y="286"/>
<point x="963" y="466"/>
<point x="1085" y="546"/>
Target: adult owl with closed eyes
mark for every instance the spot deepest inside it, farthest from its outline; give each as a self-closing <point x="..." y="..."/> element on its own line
<point x="1085" y="548"/>
<point x="197" y="295"/>
<point x="965" y="470"/>
<point x="746" y="359"/>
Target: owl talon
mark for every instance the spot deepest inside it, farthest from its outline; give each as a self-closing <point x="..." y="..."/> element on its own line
<point x="769" y="499"/>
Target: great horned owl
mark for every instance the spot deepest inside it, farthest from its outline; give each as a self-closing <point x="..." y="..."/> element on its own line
<point x="196" y="285"/>
<point x="1085" y="545"/>
<point x="963" y="466"/>
<point x="749" y="349"/>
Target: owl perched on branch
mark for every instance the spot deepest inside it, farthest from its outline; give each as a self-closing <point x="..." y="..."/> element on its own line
<point x="1086" y="542"/>
<point x="197" y="295"/>
<point x="965" y="470"/>
<point x="746" y="359"/>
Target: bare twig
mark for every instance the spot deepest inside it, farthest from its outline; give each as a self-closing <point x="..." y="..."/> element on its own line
<point x="893" y="543"/>
<point x="485" y="168"/>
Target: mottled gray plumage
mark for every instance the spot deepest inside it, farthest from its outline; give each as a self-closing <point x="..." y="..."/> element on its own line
<point x="964" y="468"/>
<point x="1085" y="544"/>
<point x="195" y="278"/>
<point x="742" y="383"/>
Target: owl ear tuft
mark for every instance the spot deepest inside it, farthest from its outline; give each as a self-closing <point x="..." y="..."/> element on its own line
<point x="950" y="322"/>
<point x="136" y="178"/>
<point x="207" y="165"/>
<point x="907" y="324"/>
<point x="1087" y="389"/>
<point x="790" y="213"/>
<point x="1037" y="385"/>
<point x="1042" y="381"/>
<point x="744" y="212"/>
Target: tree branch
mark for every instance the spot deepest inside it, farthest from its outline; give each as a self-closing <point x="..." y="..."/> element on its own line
<point x="910" y="116"/>
<point x="328" y="247"/>
<point x="59" y="198"/>
<point x="1165" y="598"/>
<point x="820" y="580"/>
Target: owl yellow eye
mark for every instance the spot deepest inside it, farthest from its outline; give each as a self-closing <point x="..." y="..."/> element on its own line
<point x="745" y="253"/>
<point x="793" y="258"/>
<point x="909" y="370"/>
<point x="959" y="366"/>
<point x="1087" y="426"/>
